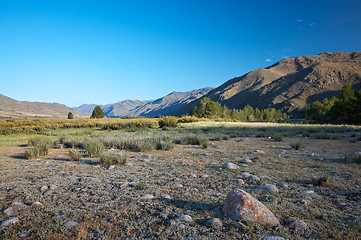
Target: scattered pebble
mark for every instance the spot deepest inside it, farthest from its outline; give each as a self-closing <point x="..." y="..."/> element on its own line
<point x="110" y="167"/>
<point x="230" y="165"/>
<point x="239" y="181"/>
<point x="9" y="211"/>
<point x="215" y="223"/>
<point x="36" y="204"/>
<point x="298" y="225"/>
<point x="185" y="218"/>
<point x="70" y="224"/>
<point x="266" y="188"/>
<point x="146" y="197"/>
<point x="246" y="160"/>
<point x="272" y="238"/>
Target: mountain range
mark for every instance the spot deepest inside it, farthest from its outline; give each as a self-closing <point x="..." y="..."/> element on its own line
<point x="289" y="85"/>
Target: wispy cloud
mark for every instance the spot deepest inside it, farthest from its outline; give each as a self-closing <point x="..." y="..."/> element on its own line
<point x="299" y="20"/>
<point x="268" y="60"/>
<point x="311" y="24"/>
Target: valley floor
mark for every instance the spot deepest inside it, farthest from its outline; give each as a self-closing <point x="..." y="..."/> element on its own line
<point x="112" y="203"/>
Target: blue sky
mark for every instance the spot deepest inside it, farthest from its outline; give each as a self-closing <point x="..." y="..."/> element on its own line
<point x="76" y="52"/>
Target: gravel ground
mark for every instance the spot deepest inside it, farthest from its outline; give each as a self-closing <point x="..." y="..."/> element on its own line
<point x="84" y="200"/>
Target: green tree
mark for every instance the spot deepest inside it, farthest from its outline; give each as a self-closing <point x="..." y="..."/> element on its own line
<point x="345" y="106"/>
<point x="97" y="113"/>
<point x="70" y="115"/>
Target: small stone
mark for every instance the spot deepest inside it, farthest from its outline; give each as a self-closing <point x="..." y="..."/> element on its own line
<point x="270" y="199"/>
<point x="70" y="224"/>
<point x="282" y="185"/>
<point x="305" y="201"/>
<point x="253" y="178"/>
<point x="9" y="211"/>
<point x="246" y="160"/>
<point x="230" y="166"/>
<point x="110" y="167"/>
<point x="9" y="222"/>
<point x="239" y="181"/>
<point x="266" y="188"/>
<point x="273" y="238"/>
<point x="24" y="235"/>
<point x="308" y="191"/>
<point x="204" y="176"/>
<point x="215" y="223"/>
<point x="52" y="187"/>
<point x="192" y="175"/>
<point x="36" y="204"/>
<point x="43" y="188"/>
<point x="258" y="152"/>
<point x="184" y="176"/>
<point x="185" y="218"/>
<point x="245" y="175"/>
<point x="298" y="225"/>
<point x="166" y="197"/>
<point x="176" y="225"/>
<point x="17" y="205"/>
<point x="146" y="197"/>
<point x="48" y="192"/>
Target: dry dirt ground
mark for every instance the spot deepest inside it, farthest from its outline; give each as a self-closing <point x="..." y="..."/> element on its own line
<point x="107" y="203"/>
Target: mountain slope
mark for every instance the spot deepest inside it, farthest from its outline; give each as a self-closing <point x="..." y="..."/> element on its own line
<point x="11" y="108"/>
<point x="167" y="105"/>
<point x="290" y="84"/>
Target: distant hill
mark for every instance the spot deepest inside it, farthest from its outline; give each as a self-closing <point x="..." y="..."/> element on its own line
<point x="167" y="105"/>
<point x="11" y="108"/>
<point x="119" y="109"/>
<point x="290" y="84"/>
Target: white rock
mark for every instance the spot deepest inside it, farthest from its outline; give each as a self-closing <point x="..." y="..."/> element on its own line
<point x="110" y="167"/>
<point x="245" y="175"/>
<point x="147" y="196"/>
<point x="36" y="204"/>
<point x="43" y="188"/>
<point x="258" y="152"/>
<point x="266" y="188"/>
<point x="70" y="224"/>
<point x="9" y="222"/>
<point x="185" y="218"/>
<point x="9" y="211"/>
<point x="230" y="166"/>
<point x="215" y="223"/>
<point x="246" y="160"/>
<point x="239" y="181"/>
<point x="273" y="238"/>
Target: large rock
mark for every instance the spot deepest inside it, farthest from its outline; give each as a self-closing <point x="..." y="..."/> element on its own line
<point x="9" y="222"/>
<point x="230" y="165"/>
<point x="266" y="188"/>
<point x="241" y="206"/>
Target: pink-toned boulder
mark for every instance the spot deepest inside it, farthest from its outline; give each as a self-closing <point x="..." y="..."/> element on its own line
<point x="241" y="206"/>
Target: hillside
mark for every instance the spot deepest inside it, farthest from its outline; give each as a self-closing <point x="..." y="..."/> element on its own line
<point x="167" y="105"/>
<point x="290" y="84"/>
<point x="11" y="108"/>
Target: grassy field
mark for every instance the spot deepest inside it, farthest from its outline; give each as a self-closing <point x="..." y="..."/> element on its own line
<point x="101" y="169"/>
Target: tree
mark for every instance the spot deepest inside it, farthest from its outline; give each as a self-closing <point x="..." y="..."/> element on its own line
<point x="97" y="113"/>
<point x="70" y="115"/>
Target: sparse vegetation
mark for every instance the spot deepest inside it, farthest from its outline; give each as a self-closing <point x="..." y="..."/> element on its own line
<point x="297" y="145"/>
<point x="322" y="181"/>
<point x="168" y="121"/>
<point x="74" y="155"/>
<point x="113" y="158"/>
<point x="94" y="148"/>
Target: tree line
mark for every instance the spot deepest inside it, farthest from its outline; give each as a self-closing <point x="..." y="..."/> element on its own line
<point x="343" y="109"/>
<point x="210" y="109"/>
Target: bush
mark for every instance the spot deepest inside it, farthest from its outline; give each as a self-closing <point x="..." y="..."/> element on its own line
<point x="168" y="121"/>
<point x="141" y="186"/>
<point x="94" y="148"/>
<point x="74" y="155"/>
<point x="322" y="181"/>
<point x="113" y="159"/>
<point x="165" y="144"/>
<point x="278" y="138"/>
<point x="297" y="146"/>
<point x="40" y="147"/>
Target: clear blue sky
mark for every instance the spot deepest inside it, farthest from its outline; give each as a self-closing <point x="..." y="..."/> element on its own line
<point x="76" y="52"/>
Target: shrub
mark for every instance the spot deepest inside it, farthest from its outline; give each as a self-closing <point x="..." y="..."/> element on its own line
<point x="112" y="159"/>
<point x="70" y="115"/>
<point x="165" y="144"/>
<point x="168" y="121"/>
<point x="297" y="145"/>
<point x="322" y="181"/>
<point x="141" y="186"/>
<point x="40" y="147"/>
<point x="278" y="138"/>
<point x="29" y="153"/>
<point x="94" y="148"/>
<point x="74" y="155"/>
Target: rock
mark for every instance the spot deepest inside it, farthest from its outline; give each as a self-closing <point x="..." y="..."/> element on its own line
<point x="230" y="166"/>
<point x="354" y="157"/>
<point x="308" y="191"/>
<point x="246" y="160"/>
<point x="298" y="225"/>
<point x="241" y="206"/>
<point x="70" y="224"/>
<point x="204" y="176"/>
<point x="253" y="178"/>
<point x="146" y="197"/>
<point x="305" y="200"/>
<point x="43" y="188"/>
<point x="266" y="188"/>
<point x="48" y="192"/>
<point x="245" y="175"/>
<point x="273" y="238"/>
<point x="239" y="181"/>
<point x="282" y="185"/>
<point x="176" y="225"/>
<point x="258" y="152"/>
<point x="52" y="187"/>
<point x="270" y="199"/>
<point x="110" y="167"/>
<point x="215" y="223"/>
<point x="177" y="185"/>
<point x="185" y="218"/>
<point x="36" y="204"/>
<point x="9" y="211"/>
<point x="192" y="175"/>
<point x="166" y="197"/>
<point x="9" y="222"/>
<point x="17" y="205"/>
